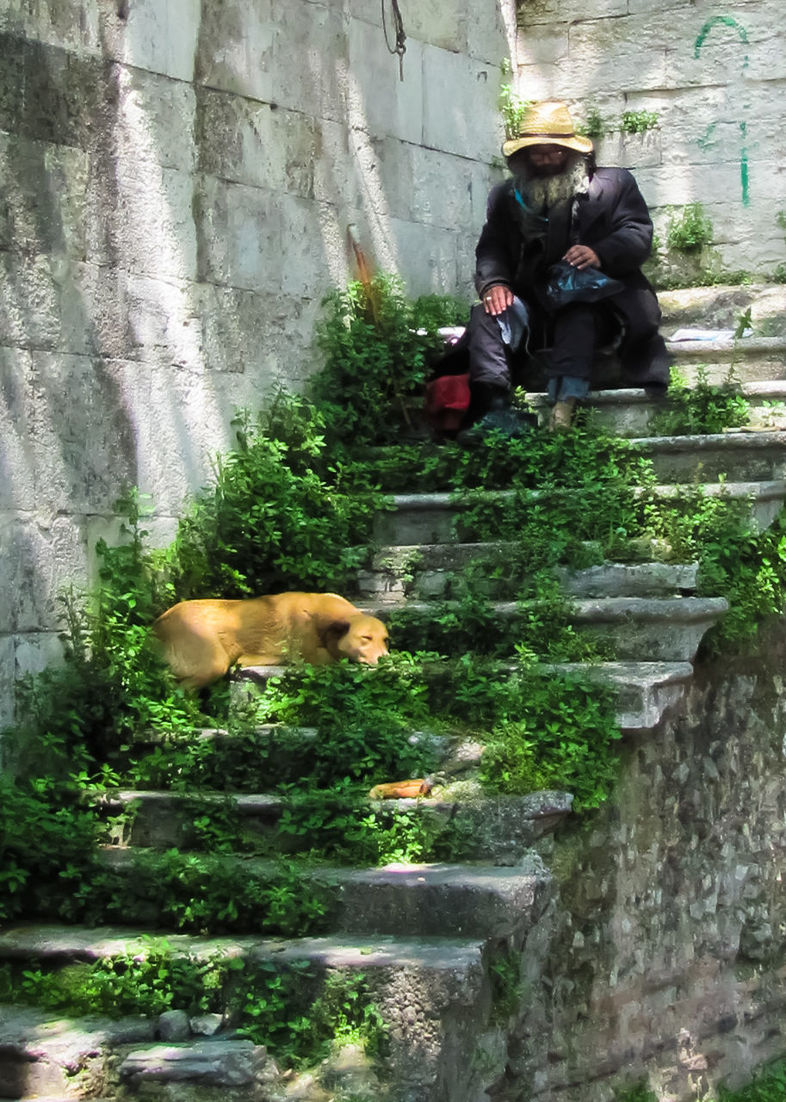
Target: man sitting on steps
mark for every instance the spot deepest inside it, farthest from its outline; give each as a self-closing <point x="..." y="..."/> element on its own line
<point x="558" y="205"/>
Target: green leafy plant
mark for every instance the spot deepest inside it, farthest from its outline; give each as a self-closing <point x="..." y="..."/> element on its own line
<point x="689" y="229"/>
<point x="296" y="1011"/>
<point x="594" y="125"/>
<point x="639" y="1092"/>
<point x="769" y="1085"/>
<point x="702" y="407"/>
<point x="283" y="513"/>
<point x="504" y="968"/>
<point x="637" y="122"/>
<point x="376" y="345"/>
<point x="511" y="104"/>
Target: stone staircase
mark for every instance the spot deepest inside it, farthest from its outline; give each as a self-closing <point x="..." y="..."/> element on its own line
<point x="425" y="938"/>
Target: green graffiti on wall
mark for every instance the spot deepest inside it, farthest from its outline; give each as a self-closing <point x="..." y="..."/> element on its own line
<point x="724" y="21"/>
<point x="705" y="139"/>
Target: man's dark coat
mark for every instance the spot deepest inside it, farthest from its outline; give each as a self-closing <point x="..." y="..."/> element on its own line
<point x="516" y="248"/>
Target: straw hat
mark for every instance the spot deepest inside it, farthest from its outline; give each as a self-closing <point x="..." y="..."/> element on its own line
<point x="547" y="124"/>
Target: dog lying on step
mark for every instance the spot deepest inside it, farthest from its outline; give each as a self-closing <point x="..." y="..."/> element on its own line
<point x="202" y="639"/>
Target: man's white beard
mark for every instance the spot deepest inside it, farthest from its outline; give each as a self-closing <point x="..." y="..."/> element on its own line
<point x="541" y="192"/>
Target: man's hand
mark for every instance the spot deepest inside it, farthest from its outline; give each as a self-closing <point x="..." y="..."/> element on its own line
<point x="497" y="298"/>
<point x="582" y="256"/>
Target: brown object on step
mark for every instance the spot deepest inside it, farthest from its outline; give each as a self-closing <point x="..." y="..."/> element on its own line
<point x="401" y="790"/>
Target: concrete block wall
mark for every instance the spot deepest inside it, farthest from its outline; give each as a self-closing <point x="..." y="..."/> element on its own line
<point x="715" y="75"/>
<point x="176" y="183"/>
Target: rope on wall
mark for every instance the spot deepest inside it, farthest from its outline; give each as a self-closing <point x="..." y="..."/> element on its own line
<point x="400" y="47"/>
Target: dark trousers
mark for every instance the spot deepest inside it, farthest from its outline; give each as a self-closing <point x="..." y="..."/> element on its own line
<point x="577" y="331"/>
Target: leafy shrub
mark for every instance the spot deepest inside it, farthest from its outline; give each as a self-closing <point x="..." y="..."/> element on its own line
<point x="594" y="126"/>
<point x="701" y="408"/>
<point x="511" y="104"/>
<point x="637" y="122"/>
<point x="282" y="513"/>
<point x="689" y="230"/>
<point x="296" y="1011"/>
<point x="376" y="345"/>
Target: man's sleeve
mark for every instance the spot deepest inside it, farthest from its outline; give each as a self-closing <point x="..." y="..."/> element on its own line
<point x="629" y="241"/>
<point x="492" y="255"/>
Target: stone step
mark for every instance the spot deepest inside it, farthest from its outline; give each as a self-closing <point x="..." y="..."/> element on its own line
<point x="720" y="306"/>
<point x="644" y="690"/>
<point x="685" y="463"/>
<point x="46" y="1054"/>
<point x="646" y="629"/>
<point x="629" y="412"/>
<point x="748" y="456"/>
<point x="749" y="359"/>
<point x="746" y="360"/>
<point x="638" y="628"/>
<point x="429" y="992"/>
<point x="763" y="501"/>
<point x="429" y="572"/>
<point x="484" y="901"/>
<point x="495" y="829"/>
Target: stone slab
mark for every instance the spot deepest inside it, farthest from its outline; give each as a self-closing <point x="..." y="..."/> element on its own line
<point x="432" y="571"/>
<point x="214" y="1063"/>
<point x="752" y="456"/>
<point x="646" y="691"/>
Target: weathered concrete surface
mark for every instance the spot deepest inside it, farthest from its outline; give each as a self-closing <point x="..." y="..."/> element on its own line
<point x="668" y="944"/>
<point x="177" y="184"/>
<point x="716" y="80"/>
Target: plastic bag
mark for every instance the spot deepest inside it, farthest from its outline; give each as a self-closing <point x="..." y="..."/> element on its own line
<point x="567" y="284"/>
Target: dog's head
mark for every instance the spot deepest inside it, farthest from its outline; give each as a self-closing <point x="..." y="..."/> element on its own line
<point x="360" y="638"/>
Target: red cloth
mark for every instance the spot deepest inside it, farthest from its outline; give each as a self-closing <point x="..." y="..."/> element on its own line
<point x="447" y="400"/>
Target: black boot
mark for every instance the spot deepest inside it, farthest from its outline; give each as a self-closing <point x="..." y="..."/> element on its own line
<point x="494" y="413"/>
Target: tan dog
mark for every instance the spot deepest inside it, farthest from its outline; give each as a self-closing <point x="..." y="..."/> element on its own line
<point x="202" y="639"/>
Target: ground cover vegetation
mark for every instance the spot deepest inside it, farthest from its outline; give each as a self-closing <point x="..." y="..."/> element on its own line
<point x="769" y="1085"/>
<point x="293" y="507"/>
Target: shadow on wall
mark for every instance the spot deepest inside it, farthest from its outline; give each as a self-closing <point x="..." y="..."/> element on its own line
<point x="179" y="183"/>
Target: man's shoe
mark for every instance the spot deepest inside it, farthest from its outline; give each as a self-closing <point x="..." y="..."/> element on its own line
<point x="562" y="415"/>
<point x="507" y="421"/>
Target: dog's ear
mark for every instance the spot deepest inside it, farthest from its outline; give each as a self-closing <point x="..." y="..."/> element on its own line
<point x="332" y="632"/>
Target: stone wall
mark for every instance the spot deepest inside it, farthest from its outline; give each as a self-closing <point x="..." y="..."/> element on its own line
<point x="664" y="961"/>
<point x="177" y="182"/>
<point x="715" y="76"/>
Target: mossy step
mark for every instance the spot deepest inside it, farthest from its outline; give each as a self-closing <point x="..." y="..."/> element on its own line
<point x="644" y="690"/>
<point x="637" y="628"/>
<point x="428" y="571"/>
<point x="687" y="465"/>
<point x="753" y="359"/>
<point x="748" y="456"/>
<point x="434" y="994"/>
<point x="485" y="827"/>
<point x="419" y="900"/>
<point x="763" y="501"/>
<point x="629" y="412"/>
<point x="45" y="1054"/>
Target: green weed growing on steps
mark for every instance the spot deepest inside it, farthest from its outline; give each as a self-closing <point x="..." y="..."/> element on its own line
<point x="702" y="407"/>
<point x="376" y="345"/>
<point x="283" y="513"/>
<point x="52" y="869"/>
<point x="289" y="508"/>
<point x="298" y="1012"/>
